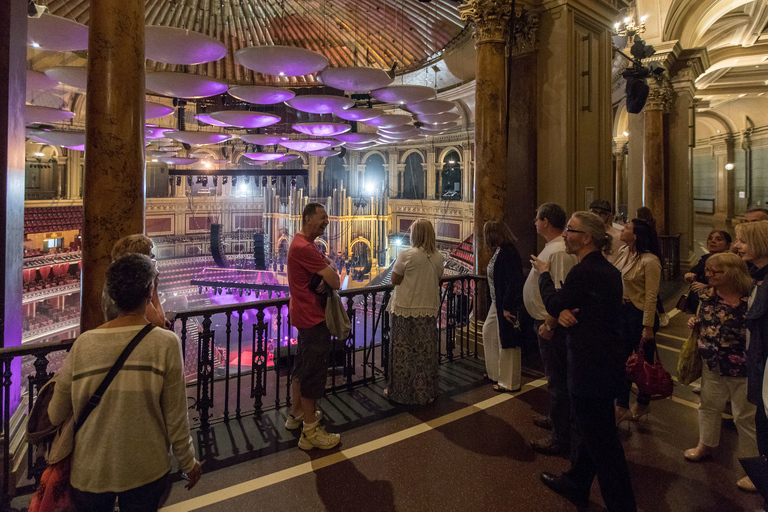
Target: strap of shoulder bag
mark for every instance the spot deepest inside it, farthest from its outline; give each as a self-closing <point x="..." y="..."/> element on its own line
<point x="99" y="393"/>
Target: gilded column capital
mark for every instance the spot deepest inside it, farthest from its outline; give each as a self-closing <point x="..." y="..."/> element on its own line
<point x="660" y="98"/>
<point x="490" y="19"/>
<point x="524" y="31"/>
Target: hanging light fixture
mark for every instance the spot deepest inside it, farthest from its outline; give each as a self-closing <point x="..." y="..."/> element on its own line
<point x="629" y="26"/>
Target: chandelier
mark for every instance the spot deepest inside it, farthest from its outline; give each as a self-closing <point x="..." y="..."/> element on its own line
<point x="629" y="26"/>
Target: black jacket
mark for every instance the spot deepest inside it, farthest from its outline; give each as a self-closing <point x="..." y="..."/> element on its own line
<point x="757" y="352"/>
<point x="596" y="358"/>
<point x="508" y="280"/>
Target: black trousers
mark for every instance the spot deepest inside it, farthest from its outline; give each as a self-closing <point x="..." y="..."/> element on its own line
<point x="761" y="426"/>
<point x="631" y="332"/>
<point x="598" y="452"/>
<point x="145" y="498"/>
<point x="554" y="356"/>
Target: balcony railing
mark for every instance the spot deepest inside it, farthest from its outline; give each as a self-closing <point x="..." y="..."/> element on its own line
<point x="243" y="352"/>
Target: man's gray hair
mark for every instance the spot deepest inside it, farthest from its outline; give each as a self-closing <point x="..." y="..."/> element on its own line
<point x="594" y="226"/>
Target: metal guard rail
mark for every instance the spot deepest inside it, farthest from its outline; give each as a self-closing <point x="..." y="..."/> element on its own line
<point x="355" y="358"/>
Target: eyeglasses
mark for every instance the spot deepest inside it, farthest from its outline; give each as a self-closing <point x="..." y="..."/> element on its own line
<point x="713" y="272"/>
<point x="569" y="230"/>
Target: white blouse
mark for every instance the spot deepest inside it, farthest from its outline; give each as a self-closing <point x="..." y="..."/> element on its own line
<point x="419" y="292"/>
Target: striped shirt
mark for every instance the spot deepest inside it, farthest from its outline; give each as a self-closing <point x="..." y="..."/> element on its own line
<point x="125" y="441"/>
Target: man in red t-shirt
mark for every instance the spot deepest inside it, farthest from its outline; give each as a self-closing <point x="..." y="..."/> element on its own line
<point x="307" y="310"/>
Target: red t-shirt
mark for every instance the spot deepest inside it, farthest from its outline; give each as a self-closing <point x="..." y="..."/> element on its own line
<point x="304" y="261"/>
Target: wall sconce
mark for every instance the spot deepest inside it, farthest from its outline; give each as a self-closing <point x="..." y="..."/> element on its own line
<point x="729" y="166"/>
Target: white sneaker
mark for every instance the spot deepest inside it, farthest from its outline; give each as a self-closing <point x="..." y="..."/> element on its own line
<point x="317" y="437"/>
<point x="294" y="422"/>
<point x="664" y="320"/>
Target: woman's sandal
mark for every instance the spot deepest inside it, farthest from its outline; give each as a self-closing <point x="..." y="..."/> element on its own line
<point x="500" y="389"/>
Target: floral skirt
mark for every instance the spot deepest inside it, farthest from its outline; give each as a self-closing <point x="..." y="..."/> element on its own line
<point x="413" y="359"/>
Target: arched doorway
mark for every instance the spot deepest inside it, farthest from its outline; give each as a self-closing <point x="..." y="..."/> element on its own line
<point x="451" y="177"/>
<point x="413" y="177"/>
<point x="360" y="259"/>
<point x="335" y="172"/>
<point x="373" y="178"/>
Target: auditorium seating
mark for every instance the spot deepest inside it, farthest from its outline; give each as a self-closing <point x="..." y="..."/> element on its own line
<point x="57" y="218"/>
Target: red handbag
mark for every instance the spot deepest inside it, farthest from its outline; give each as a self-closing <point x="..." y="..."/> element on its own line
<point x="651" y="379"/>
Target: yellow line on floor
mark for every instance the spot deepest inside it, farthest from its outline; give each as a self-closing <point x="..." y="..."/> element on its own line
<point x="667" y="347"/>
<point x="670" y="336"/>
<point x="349" y="453"/>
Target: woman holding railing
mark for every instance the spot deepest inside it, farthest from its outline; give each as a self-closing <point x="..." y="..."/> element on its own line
<point x="414" y="307"/>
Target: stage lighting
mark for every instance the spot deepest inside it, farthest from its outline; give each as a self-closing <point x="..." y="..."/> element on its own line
<point x="247" y="180"/>
<point x="199" y="179"/>
<point x="234" y="181"/>
<point x="215" y="181"/>
<point x="293" y="181"/>
<point x="274" y="180"/>
<point x="205" y="181"/>
<point x="178" y="181"/>
<point x="189" y="181"/>
<point x="224" y="180"/>
<point x="263" y="181"/>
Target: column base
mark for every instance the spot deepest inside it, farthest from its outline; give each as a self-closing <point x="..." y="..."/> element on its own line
<point x="18" y="448"/>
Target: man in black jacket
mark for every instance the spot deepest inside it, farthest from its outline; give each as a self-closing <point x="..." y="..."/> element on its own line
<point x="589" y="306"/>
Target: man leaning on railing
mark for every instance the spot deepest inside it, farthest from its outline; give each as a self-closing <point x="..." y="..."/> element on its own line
<point x="309" y="273"/>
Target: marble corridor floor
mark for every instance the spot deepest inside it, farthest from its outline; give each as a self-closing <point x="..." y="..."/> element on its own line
<point x="465" y="452"/>
<point x="468" y="452"/>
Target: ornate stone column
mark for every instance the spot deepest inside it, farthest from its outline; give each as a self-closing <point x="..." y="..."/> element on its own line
<point x="13" y="53"/>
<point x="491" y="22"/>
<point x="113" y="199"/>
<point x="466" y="172"/>
<point x="619" y="170"/>
<point x="430" y="172"/>
<point x="312" y="184"/>
<point x="521" y="198"/>
<point x="392" y="167"/>
<point x="654" y="189"/>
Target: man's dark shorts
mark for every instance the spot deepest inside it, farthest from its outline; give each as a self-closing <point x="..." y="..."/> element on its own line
<point x="310" y="367"/>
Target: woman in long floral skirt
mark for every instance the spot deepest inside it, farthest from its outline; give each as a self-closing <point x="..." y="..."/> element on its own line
<point x="414" y="308"/>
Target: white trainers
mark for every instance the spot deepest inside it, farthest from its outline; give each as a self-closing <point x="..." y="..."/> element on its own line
<point x="317" y="437"/>
<point x="294" y="422"/>
<point x="663" y="320"/>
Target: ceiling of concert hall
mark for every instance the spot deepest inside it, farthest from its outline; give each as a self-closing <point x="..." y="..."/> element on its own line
<point x="374" y="33"/>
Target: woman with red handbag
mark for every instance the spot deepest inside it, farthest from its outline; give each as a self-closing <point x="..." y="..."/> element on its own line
<point x="722" y="341"/>
<point x="640" y="264"/>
